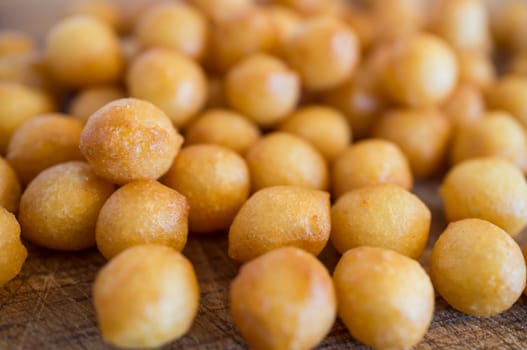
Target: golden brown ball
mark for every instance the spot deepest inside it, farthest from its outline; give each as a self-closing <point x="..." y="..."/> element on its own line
<point x="477" y="268"/>
<point x="370" y="162"/>
<point x="81" y="50"/>
<point x="464" y="24"/>
<point x="146" y="297"/>
<point x="496" y="134"/>
<point x="91" y="99"/>
<point x="130" y="139"/>
<point x="421" y="71"/>
<point x="280" y="216"/>
<point x="422" y="134"/>
<point x="324" y="51"/>
<point x="215" y="181"/>
<point x="171" y="81"/>
<point x="13" y="251"/>
<point x="281" y="158"/>
<point x="10" y="188"/>
<point x="106" y="11"/>
<point x="224" y="128"/>
<point x="385" y="216"/>
<point x="286" y="22"/>
<point x="359" y="100"/>
<point x="510" y="94"/>
<point x="141" y="212"/>
<point x="284" y="299"/>
<point x="19" y="103"/>
<point x="385" y="299"/>
<point x="59" y="208"/>
<point x="488" y="188"/>
<point x="465" y="105"/>
<point x="224" y="9"/>
<point x="324" y="127"/>
<point x="307" y="7"/>
<point x="263" y="88"/>
<point x="476" y="69"/>
<point x="231" y="40"/>
<point x="42" y="142"/>
<point x="173" y="25"/>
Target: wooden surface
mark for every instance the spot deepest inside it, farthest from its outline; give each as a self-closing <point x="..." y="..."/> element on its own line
<point x="48" y="306"/>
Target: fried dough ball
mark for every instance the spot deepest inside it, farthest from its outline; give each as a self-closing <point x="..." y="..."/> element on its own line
<point x="325" y="127"/>
<point x="106" y="11"/>
<point x="224" y="9"/>
<point x="224" y="128"/>
<point x="145" y="297"/>
<point x="171" y="81"/>
<point x="233" y="40"/>
<point x="140" y="212"/>
<point x="176" y="26"/>
<point x="422" y="134"/>
<point x="464" y="24"/>
<point x="286" y="22"/>
<point x="385" y="299"/>
<point x="280" y="216"/>
<point x="307" y="7"/>
<point x="215" y="181"/>
<point x="10" y="188"/>
<point x="477" y="268"/>
<point x="510" y="94"/>
<point x="465" y="105"/>
<point x="81" y="50"/>
<point x="42" y="142"/>
<point x="15" y="43"/>
<point x="370" y="162"/>
<point x="385" y="216"/>
<point x="476" y="69"/>
<point x="129" y="139"/>
<point x="421" y="71"/>
<point x="363" y="22"/>
<point x="496" y="134"/>
<point x="263" y="88"/>
<point x="59" y="208"/>
<point x="358" y="100"/>
<point x="18" y="103"/>
<point x="280" y="158"/>
<point x="92" y="98"/>
<point x="398" y="18"/>
<point x="284" y="299"/>
<point x="13" y="251"/>
<point x="324" y="51"/>
<point x="489" y="188"/>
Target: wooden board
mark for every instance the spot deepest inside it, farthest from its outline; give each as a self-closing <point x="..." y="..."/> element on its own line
<point x="48" y="306"/>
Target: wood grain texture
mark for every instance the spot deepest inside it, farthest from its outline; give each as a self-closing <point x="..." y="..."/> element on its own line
<point x="48" y="306"/>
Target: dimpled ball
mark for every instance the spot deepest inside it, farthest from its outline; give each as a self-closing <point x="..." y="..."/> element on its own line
<point x="284" y="299"/>
<point x="129" y="139"/>
<point x="385" y="299"/>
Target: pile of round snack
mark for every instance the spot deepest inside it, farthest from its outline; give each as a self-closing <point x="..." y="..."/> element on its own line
<point x="208" y="116"/>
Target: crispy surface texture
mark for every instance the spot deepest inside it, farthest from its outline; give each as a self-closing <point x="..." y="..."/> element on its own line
<point x="283" y="299"/>
<point x="145" y="297"/>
